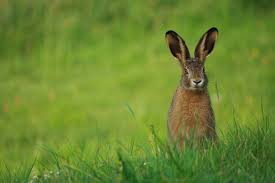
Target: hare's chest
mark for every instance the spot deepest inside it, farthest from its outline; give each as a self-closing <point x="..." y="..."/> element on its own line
<point x="189" y="110"/>
<point x="194" y="110"/>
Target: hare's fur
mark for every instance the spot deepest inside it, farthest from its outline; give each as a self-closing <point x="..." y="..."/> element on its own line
<point x="191" y="116"/>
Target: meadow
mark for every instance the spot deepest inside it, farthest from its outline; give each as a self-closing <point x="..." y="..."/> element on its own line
<point x="85" y="87"/>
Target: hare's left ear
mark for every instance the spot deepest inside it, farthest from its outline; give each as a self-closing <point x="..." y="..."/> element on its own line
<point x="206" y="44"/>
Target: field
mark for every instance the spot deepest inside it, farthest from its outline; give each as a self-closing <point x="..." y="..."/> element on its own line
<point x="85" y="87"/>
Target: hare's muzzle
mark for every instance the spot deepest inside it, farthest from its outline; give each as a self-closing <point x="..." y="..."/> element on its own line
<point x="197" y="82"/>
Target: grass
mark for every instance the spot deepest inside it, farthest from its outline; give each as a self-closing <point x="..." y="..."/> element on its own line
<point x="82" y="82"/>
<point x="243" y="155"/>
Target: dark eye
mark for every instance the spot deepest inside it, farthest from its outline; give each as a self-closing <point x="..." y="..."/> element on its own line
<point x="186" y="70"/>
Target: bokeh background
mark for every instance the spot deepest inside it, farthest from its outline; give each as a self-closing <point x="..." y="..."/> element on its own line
<point x="91" y="72"/>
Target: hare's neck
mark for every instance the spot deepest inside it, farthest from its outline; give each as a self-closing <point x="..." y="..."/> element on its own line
<point x="195" y="98"/>
<point x="194" y="93"/>
<point x="193" y="90"/>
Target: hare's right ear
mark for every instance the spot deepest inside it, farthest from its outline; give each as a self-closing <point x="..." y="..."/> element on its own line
<point x="177" y="46"/>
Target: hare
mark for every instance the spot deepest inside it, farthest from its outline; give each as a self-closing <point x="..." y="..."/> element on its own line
<point x="191" y="114"/>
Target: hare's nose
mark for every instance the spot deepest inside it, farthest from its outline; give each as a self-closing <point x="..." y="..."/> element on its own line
<point x="197" y="81"/>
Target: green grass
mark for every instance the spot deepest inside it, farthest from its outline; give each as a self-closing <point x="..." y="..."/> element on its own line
<point x="81" y="80"/>
<point x="243" y="155"/>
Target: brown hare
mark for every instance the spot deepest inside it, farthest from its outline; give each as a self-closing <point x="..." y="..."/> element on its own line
<point x="191" y="114"/>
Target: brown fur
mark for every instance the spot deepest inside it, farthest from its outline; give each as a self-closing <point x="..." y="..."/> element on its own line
<point x="191" y="116"/>
<point x="191" y="112"/>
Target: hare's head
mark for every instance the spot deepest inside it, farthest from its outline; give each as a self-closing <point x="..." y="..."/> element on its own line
<point x="194" y="76"/>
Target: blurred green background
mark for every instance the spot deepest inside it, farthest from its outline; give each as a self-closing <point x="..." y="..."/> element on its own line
<point x="74" y="72"/>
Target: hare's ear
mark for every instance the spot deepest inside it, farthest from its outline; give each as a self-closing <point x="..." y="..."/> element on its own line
<point x="177" y="46"/>
<point x="206" y="44"/>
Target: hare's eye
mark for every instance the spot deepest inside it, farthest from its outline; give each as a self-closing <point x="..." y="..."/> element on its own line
<point x="186" y="70"/>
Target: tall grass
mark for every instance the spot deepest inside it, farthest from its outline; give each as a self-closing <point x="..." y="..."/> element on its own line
<point x="243" y="154"/>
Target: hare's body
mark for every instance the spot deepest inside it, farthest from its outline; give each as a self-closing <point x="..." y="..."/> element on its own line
<point x="191" y="116"/>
